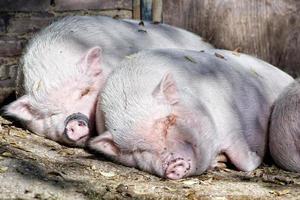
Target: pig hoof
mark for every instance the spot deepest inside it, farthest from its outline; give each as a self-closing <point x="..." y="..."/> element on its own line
<point x="76" y="127"/>
<point x="177" y="169"/>
<point x="255" y="161"/>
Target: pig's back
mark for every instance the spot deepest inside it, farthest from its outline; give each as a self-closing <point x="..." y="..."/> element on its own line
<point x="54" y="52"/>
<point x="119" y="38"/>
<point x="275" y="78"/>
<point x="208" y="67"/>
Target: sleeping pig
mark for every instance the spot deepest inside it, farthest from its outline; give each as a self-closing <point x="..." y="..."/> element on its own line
<point x="171" y="112"/>
<point x="65" y="66"/>
<point x="285" y="129"/>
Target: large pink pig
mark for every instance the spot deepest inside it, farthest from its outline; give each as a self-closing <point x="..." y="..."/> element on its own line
<point x="285" y="129"/>
<point x="171" y="112"/>
<point x="65" y="66"/>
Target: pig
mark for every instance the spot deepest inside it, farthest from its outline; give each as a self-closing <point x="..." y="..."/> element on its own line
<point x="284" y="141"/>
<point x="172" y="112"/>
<point x="66" y="65"/>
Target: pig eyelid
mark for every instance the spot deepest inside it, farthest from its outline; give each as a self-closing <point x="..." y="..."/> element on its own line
<point x="54" y="114"/>
<point x="141" y="151"/>
<point x="125" y="150"/>
<point x="138" y="151"/>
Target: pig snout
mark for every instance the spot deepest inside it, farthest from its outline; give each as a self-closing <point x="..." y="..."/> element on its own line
<point x="77" y="127"/>
<point x="177" y="168"/>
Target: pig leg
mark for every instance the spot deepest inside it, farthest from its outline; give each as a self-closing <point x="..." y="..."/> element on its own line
<point x="242" y="157"/>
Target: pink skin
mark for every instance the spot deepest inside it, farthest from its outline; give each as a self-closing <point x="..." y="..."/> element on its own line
<point x="178" y="155"/>
<point x="163" y="150"/>
<point x="76" y="130"/>
<point x="47" y="115"/>
<point x="170" y="148"/>
<point x="177" y="169"/>
<point x="167" y="146"/>
<point x="284" y="136"/>
<point x="176" y="127"/>
<point x="160" y="146"/>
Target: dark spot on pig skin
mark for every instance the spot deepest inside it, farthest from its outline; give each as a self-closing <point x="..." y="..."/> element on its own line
<point x="85" y="92"/>
<point x="141" y="23"/>
<point x="142" y="30"/>
<point x="219" y="56"/>
<point x="189" y="167"/>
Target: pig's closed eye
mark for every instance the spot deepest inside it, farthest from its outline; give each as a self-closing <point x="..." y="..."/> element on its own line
<point x="139" y="151"/>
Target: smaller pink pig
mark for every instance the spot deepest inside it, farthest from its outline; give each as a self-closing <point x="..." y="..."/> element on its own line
<point x="66" y="65"/>
<point x="285" y="129"/>
<point x="172" y="112"/>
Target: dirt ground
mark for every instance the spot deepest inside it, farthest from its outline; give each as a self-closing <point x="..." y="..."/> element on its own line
<point x="32" y="167"/>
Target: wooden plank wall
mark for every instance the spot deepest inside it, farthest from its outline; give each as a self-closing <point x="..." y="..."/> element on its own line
<point x="269" y="29"/>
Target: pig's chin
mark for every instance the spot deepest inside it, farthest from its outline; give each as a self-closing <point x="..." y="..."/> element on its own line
<point x="81" y="142"/>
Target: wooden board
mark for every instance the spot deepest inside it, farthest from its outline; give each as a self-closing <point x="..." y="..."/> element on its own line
<point x="269" y="29"/>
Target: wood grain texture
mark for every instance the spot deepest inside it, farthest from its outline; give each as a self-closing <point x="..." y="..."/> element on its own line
<point x="63" y="5"/>
<point x="268" y="29"/>
<point x="136" y="9"/>
<point x="157" y="10"/>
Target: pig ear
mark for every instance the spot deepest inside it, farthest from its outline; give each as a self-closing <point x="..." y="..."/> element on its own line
<point x="21" y="109"/>
<point x="104" y="144"/>
<point x="92" y="61"/>
<point x="166" y="90"/>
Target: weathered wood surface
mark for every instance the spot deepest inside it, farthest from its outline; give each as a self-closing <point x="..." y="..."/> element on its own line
<point x="32" y="167"/>
<point x="136" y="9"/>
<point x="157" y="6"/>
<point x="92" y="4"/>
<point x="269" y="29"/>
